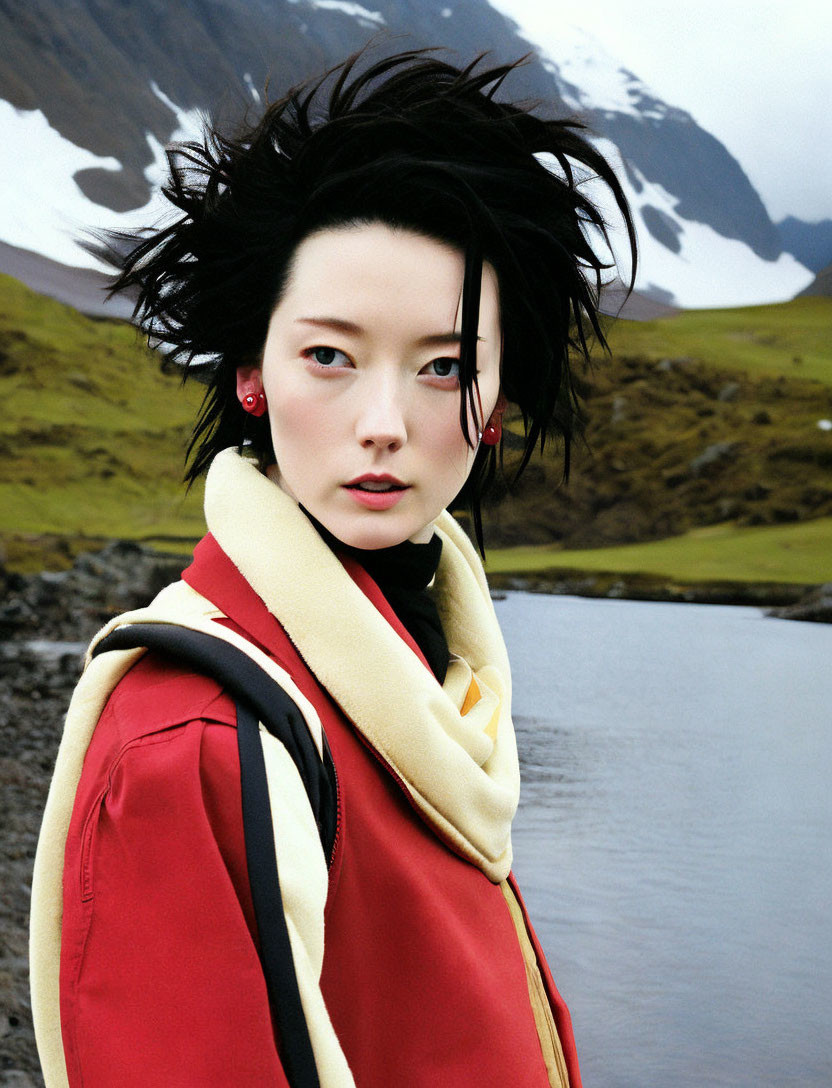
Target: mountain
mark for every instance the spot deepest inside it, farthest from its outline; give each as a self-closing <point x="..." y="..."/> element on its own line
<point x="706" y="237"/>
<point x="90" y="93"/>
<point x="811" y="243"/>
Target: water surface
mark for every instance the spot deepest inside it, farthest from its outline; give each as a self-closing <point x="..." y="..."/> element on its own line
<point x="673" y="839"/>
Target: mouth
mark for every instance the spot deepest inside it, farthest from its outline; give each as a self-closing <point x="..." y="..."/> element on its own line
<point x="376" y="492"/>
<point x="372" y="483"/>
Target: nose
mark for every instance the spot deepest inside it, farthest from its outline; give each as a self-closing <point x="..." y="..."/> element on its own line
<point x="381" y="418"/>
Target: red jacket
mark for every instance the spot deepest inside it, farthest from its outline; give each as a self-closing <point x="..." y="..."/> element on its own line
<point x="161" y="984"/>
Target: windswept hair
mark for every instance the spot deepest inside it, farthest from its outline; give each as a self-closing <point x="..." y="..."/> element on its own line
<point x="415" y="143"/>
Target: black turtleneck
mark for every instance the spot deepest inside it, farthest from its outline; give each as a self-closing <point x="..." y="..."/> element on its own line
<point x="402" y="573"/>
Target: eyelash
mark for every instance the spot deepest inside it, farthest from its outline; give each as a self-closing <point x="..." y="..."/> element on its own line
<point x="309" y="353"/>
<point x="446" y="359"/>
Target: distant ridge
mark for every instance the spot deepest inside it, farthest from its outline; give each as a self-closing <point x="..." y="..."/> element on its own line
<point x="82" y="288"/>
<point x="810" y="243"/>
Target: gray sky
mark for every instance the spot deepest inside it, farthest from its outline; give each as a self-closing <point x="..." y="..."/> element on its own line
<point x="758" y="76"/>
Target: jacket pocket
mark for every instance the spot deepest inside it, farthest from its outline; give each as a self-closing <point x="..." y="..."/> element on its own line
<point x="88" y="836"/>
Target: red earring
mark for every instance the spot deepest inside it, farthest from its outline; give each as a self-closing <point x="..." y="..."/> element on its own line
<point x="253" y="400"/>
<point x="493" y="431"/>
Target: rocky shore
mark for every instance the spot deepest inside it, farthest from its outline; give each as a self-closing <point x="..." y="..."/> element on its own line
<point x="781" y="599"/>
<point x="45" y="622"/>
<point x="815" y="605"/>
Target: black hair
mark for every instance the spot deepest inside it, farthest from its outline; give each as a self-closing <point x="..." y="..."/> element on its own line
<point x="415" y="143"/>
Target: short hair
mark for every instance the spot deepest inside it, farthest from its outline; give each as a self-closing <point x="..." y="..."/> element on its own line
<point x="415" y="143"/>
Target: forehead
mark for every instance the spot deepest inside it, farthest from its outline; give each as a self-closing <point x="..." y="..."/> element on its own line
<point x="380" y="274"/>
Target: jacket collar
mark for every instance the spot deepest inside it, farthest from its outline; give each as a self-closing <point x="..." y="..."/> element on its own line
<point x="213" y="575"/>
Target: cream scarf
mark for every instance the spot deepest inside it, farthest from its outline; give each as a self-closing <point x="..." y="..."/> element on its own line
<point x="460" y="769"/>
<point x="452" y="746"/>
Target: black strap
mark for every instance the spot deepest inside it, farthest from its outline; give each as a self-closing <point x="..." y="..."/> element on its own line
<point x="246" y="681"/>
<point x="275" y="948"/>
<point x="258" y="698"/>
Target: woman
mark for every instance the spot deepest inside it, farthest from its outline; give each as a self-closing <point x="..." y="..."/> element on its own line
<point x="372" y="279"/>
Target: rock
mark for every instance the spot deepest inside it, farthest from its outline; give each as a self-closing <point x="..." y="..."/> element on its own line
<point x="16" y="1078"/>
<point x="712" y="457"/>
<point x="730" y="391"/>
<point x="728" y="508"/>
<point x="816" y="606"/>
<point x="784" y="515"/>
<point x="619" y="409"/>
<point x="679" y="363"/>
<point x="674" y="476"/>
<point x="71" y="605"/>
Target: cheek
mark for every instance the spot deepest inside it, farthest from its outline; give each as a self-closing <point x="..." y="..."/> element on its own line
<point x="448" y="447"/>
<point x="301" y="424"/>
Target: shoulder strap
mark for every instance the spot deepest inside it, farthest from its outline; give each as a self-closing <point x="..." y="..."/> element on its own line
<point x="246" y="682"/>
<point x="275" y="947"/>
<point x="258" y="698"/>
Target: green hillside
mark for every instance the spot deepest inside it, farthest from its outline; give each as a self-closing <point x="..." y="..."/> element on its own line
<point x="790" y="339"/>
<point x="700" y="428"/>
<point x="721" y="553"/>
<point x="92" y="433"/>
<point x="686" y="430"/>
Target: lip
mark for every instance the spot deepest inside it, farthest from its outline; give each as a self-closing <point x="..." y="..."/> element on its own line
<point x="376" y="500"/>
<point x="374" y="478"/>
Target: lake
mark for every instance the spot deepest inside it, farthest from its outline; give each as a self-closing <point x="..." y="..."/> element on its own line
<point x="673" y="838"/>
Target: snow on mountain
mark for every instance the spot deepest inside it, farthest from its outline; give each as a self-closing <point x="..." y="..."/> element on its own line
<point x="705" y="236"/>
<point x="356" y="11"/>
<point x="697" y="266"/>
<point x="682" y="260"/>
<point x="44" y="210"/>
<point x="588" y="78"/>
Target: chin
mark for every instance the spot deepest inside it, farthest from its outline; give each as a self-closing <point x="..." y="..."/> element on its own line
<point x="373" y="532"/>
<point x="372" y="539"/>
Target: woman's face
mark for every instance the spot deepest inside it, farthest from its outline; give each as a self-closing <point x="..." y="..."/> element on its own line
<point x="360" y="371"/>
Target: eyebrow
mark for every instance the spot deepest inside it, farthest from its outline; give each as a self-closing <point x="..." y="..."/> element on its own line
<point x="339" y="324"/>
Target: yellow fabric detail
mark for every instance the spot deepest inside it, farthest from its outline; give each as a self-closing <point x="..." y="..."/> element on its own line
<point x="471" y="696"/>
<point x="544" y="1021"/>
<point x="491" y="728"/>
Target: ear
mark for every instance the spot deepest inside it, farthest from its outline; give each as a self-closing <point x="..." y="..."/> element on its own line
<point x="249" y="380"/>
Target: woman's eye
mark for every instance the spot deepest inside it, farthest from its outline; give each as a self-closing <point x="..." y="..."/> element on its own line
<point x="331" y="358"/>
<point x="443" y="368"/>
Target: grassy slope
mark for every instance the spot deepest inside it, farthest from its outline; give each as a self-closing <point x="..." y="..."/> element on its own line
<point x="792" y="338"/>
<point x="781" y="553"/>
<point x="697" y="421"/>
<point x="93" y="433"/>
